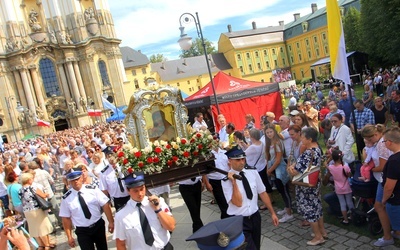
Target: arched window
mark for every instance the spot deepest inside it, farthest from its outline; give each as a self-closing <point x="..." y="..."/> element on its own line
<point x="103" y="73"/>
<point x="49" y="77"/>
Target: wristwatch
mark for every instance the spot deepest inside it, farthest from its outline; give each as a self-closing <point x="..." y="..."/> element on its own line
<point x="157" y="211"/>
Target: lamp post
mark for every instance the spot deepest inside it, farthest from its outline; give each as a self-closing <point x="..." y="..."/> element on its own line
<point x="185" y="42"/>
<point x="27" y="113"/>
<point x="8" y="100"/>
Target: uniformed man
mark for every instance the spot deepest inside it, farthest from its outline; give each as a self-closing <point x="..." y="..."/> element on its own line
<point x="111" y="183"/>
<point x="144" y="222"/>
<point x="242" y="198"/>
<point x="81" y="206"/>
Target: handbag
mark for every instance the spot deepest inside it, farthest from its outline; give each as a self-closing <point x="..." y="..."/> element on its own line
<point x="310" y="177"/>
<point x="43" y="203"/>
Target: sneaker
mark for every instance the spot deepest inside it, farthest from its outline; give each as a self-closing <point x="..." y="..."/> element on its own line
<point x="381" y="242"/>
<point x="282" y="212"/>
<point x="286" y="218"/>
<point x="394" y="235"/>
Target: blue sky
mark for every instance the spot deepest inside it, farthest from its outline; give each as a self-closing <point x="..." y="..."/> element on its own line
<point x="152" y="26"/>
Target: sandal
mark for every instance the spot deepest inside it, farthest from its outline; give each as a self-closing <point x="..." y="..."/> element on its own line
<point x="304" y="223"/>
<point x="52" y="245"/>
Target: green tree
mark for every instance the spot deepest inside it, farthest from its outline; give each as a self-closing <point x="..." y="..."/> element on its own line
<point x="197" y="49"/>
<point x="157" y="58"/>
<point x="351" y="27"/>
<point x="380" y="21"/>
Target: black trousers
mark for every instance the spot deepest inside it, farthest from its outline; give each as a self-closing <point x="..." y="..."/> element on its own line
<point x="191" y="195"/>
<point x="264" y="178"/>
<point x="89" y="236"/>
<point x="120" y="202"/>
<point x="252" y="231"/>
<point x="219" y="197"/>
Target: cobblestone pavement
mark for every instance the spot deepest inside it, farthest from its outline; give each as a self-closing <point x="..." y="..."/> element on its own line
<point x="287" y="235"/>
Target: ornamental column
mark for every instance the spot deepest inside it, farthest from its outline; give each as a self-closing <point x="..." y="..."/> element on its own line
<point x="38" y="90"/>
<point x="79" y="79"/>
<point x="28" y="92"/>
<point x="20" y="88"/>
<point x="75" y="90"/>
<point x="64" y="82"/>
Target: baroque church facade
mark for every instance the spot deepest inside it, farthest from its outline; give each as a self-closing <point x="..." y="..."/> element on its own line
<point x="58" y="58"/>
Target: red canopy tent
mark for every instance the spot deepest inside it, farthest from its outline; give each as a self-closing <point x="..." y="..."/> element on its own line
<point x="236" y="98"/>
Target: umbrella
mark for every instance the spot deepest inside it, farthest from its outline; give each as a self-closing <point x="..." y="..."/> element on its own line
<point x="30" y="136"/>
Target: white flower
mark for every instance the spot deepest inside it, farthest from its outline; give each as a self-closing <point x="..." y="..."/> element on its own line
<point x="210" y="137"/>
<point x="147" y="149"/>
<point x="163" y="143"/>
<point x="156" y="143"/>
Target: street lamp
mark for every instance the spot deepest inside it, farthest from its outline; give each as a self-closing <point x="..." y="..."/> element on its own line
<point x="185" y="42"/>
<point x="27" y="113"/>
<point x="9" y="114"/>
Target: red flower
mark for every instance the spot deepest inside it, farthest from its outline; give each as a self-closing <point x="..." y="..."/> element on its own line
<point x="130" y="170"/>
<point x="168" y="146"/>
<point x="158" y="150"/>
<point x="149" y="160"/>
<point x="195" y="153"/>
<point x="186" y="154"/>
<point x="200" y="146"/>
<point x="198" y="135"/>
<point x="191" y="140"/>
<point x="174" y="158"/>
<point x="170" y="162"/>
<point x="156" y="159"/>
<point x="140" y="164"/>
<point x="126" y="161"/>
<point x="138" y="154"/>
<point x="215" y="137"/>
<point x="121" y="154"/>
<point x="183" y="141"/>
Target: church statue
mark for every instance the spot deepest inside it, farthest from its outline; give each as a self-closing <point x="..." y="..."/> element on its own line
<point x="39" y="112"/>
<point x="72" y="107"/>
<point x="33" y="21"/>
<point x="89" y="13"/>
<point x="83" y="103"/>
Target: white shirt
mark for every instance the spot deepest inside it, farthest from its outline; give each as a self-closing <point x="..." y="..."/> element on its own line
<point x="221" y="162"/>
<point x="287" y="141"/>
<point x="190" y="181"/>
<point x="292" y="101"/>
<point x="223" y="136"/>
<point x="344" y="140"/>
<point x="71" y="208"/>
<point x="109" y="182"/>
<point x="198" y="125"/>
<point x="248" y="207"/>
<point x="255" y="156"/>
<point x="127" y="225"/>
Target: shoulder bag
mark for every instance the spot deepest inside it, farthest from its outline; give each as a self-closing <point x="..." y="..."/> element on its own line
<point x="310" y="177"/>
<point x="43" y="203"/>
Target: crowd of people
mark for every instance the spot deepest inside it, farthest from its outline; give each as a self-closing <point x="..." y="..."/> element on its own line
<point x="259" y="159"/>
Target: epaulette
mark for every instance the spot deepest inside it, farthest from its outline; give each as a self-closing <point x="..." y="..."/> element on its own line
<point x="90" y="186"/>
<point x="249" y="167"/>
<point x="119" y="209"/>
<point x="66" y="194"/>
<point x="104" y="169"/>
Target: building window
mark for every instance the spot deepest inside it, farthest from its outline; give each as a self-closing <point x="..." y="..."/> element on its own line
<point x="250" y="67"/>
<point x="317" y="52"/>
<point x="283" y="61"/>
<point x="144" y="70"/>
<point x="273" y="51"/>
<point x="103" y="73"/>
<point x="198" y="87"/>
<point x="265" y="52"/>
<point x="136" y="83"/>
<point x="276" y="63"/>
<point x="267" y="64"/>
<point x="239" y="57"/>
<point x="177" y="84"/>
<point x="49" y="77"/>
<point x="307" y="42"/>
<point x="281" y="50"/>
<point x="326" y="50"/>
<point x="299" y="57"/>
<point x="248" y="55"/>
<point x="323" y="36"/>
<point x="134" y="72"/>
<point x="291" y="59"/>
<point x="298" y="45"/>
<point x="302" y="73"/>
<point x="241" y="69"/>
<point x="188" y="82"/>
<point x="290" y="47"/>
<point x="198" y="80"/>
<point x="256" y="53"/>
<point x="259" y="66"/>
<point x="315" y="39"/>
<point x="309" y="54"/>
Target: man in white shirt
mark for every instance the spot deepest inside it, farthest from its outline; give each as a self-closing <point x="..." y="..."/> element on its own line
<point x="223" y="136"/>
<point x="284" y="122"/>
<point x="199" y="124"/>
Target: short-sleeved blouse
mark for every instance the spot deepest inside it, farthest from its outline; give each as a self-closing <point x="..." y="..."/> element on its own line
<point x="382" y="152"/>
<point x="29" y="203"/>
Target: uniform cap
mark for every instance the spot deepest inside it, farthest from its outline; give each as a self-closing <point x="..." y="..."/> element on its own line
<point x="294" y="112"/>
<point x="220" y="235"/>
<point x="235" y="153"/>
<point x="134" y="180"/>
<point x="74" y="175"/>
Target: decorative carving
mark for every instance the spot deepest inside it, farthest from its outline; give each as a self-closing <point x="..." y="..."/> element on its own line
<point x="53" y="37"/>
<point x="33" y="21"/>
<point x="39" y="112"/>
<point x="65" y="38"/>
<point x="56" y="103"/>
<point x="90" y="101"/>
<point x="72" y="108"/>
<point x="10" y="45"/>
<point x="89" y="13"/>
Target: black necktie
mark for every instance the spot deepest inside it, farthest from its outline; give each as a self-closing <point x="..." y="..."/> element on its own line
<point x="121" y="187"/>
<point x="148" y="235"/>
<point x="246" y="186"/>
<point x="84" y="206"/>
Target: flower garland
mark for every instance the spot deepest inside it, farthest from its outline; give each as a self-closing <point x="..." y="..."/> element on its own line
<point x="166" y="154"/>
